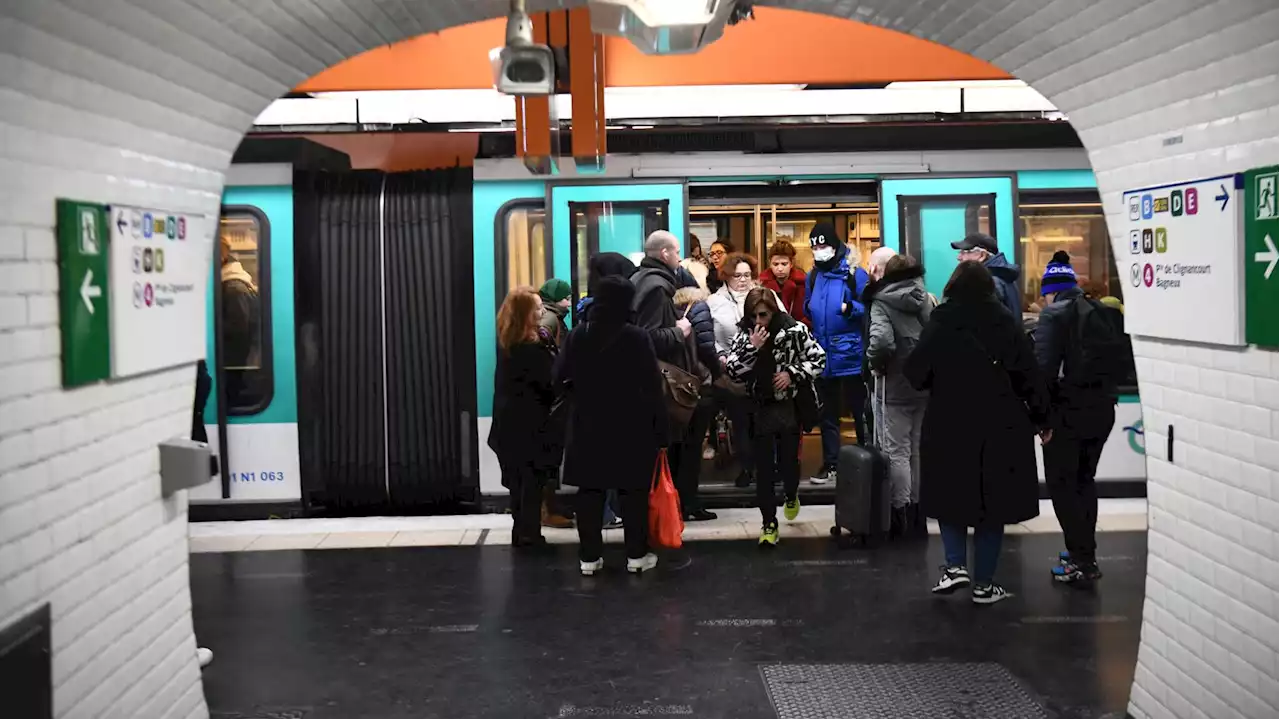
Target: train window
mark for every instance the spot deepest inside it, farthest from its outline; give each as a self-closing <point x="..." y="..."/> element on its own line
<point x="611" y="227"/>
<point x="525" y="251"/>
<point x="754" y="228"/>
<point x="1072" y="222"/>
<point x="243" y="313"/>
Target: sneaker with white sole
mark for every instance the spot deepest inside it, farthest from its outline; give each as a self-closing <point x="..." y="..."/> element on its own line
<point x="204" y="656"/>
<point x="952" y="578"/>
<point x="990" y="593"/>
<point x="826" y="475"/>
<point x="590" y="568"/>
<point x="643" y="564"/>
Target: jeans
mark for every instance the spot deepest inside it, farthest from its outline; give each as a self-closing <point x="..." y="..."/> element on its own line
<point x="838" y="394"/>
<point x="777" y="457"/>
<point x="986" y="548"/>
<point x="635" y="522"/>
<point x="900" y="434"/>
<point x="611" y="506"/>
<point x="1070" y="464"/>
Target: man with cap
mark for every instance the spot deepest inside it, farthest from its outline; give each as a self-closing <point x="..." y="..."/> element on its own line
<point x="832" y="305"/>
<point x="1078" y="345"/>
<point x="982" y="247"/>
<point x="555" y="294"/>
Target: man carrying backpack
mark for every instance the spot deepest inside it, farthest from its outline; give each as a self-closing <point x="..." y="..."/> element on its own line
<point x="1079" y="344"/>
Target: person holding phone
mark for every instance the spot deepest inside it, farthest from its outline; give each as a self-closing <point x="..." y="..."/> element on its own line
<point x="777" y="358"/>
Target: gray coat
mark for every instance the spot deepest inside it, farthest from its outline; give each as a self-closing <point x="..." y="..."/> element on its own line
<point x="900" y="307"/>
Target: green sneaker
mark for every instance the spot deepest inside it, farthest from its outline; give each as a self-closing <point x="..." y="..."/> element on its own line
<point x="791" y="509"/>
<point x="769" y="536"/>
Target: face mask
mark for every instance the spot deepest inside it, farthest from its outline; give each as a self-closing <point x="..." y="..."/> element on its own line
<point x="824" y="254"/>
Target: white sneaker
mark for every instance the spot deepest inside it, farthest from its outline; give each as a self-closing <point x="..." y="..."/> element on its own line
<point x="643" y="564"/>
<point x="824" y="476"/>
<point x="204" y="656"/>
<point x="590" y="568"/>
<point x="952" y="579"/>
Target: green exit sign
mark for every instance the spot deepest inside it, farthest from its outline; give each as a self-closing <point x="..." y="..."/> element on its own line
<point x="1261" y="256"/>
<point x="83" y="240"/>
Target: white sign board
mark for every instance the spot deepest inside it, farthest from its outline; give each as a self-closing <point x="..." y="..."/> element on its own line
<point x="1180" y="259"/>
<point x="1124" y="456"/>
<point x="159" y="276"/>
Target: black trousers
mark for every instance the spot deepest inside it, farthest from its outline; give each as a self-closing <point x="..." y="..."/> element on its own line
<point x="839" y="394"/>
<point x="688" y="463"/>
<point x="525" y="485"/>
<point x="635" y="522"/>
<point x="1070" y="465"/>
<point x="777" y="457"/>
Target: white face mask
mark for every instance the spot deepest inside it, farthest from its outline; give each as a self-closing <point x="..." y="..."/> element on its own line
<point x="824" y="254"/>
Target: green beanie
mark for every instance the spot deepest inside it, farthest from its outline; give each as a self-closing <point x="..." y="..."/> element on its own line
<point x="554" y="290"/>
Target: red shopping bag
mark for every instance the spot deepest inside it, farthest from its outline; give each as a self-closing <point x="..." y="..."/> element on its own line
<point x="666" y="523"/>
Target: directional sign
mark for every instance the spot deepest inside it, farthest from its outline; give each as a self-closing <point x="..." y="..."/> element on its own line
<point x="1261" y="255"/>
<point x="84" y="301"/>
<point x="1185" y="273"/>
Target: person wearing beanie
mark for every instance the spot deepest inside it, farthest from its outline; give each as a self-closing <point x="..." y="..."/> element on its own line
<point x="556" y="299"/>
<point x="833" y="305"/>
<point x="982" y="247"/>
<point x="1080" y="347"/>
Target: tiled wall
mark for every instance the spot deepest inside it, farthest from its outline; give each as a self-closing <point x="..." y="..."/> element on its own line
<point x="142" y="101"/>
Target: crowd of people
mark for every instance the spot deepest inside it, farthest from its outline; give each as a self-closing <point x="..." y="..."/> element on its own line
<point x="960" y="391"/>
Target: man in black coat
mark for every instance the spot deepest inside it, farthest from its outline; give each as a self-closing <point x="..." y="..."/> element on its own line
<point x="1083" y="414"/>
<point x="655" y="283"/>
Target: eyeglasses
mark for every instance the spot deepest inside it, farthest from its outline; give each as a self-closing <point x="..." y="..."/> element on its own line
<point x="716" y="253"/>
<point x="742" y="275"/>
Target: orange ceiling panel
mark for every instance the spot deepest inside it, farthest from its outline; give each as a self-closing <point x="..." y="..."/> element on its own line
<point x="392" y="152"/>
<point x="777" y="47"/>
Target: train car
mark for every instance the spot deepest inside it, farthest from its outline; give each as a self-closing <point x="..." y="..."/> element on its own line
<point x="285" y="447"/>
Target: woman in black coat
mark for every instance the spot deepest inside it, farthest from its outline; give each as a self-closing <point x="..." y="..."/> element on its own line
<point x="617" y="422"/>
<point x="986" y="403"/>
<point x="524" y="434"/>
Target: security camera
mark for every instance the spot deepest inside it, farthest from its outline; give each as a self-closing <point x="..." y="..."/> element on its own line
<point x="523" y="67"/>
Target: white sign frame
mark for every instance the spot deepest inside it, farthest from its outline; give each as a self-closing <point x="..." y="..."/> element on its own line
<point x="159" y="275"/>
<point x="1193" y="289"/>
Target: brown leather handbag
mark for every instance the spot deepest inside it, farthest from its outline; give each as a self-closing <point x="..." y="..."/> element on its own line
<point x="681" y="391"/>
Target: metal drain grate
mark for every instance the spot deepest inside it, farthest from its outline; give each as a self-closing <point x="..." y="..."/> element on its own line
<point x="898" y="691"/>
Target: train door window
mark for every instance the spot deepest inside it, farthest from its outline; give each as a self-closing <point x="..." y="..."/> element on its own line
<point x="1072" y="222"/>
<point x="524" y="254"/>
<point x="928" y="224"/>
<point x="243" y="310"/>
<point x="612" y="227"/>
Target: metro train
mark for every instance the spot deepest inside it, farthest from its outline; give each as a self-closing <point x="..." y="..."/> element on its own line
<point x="374" y="384"/>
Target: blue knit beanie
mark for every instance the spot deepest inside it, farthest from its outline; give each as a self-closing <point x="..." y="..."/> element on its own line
<point x="1058" y="275"/>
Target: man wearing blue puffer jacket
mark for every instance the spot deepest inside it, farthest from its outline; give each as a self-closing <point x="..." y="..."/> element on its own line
<point x="834" y="287"/>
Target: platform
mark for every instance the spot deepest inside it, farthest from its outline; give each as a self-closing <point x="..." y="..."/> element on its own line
<point x="719" y="630"/>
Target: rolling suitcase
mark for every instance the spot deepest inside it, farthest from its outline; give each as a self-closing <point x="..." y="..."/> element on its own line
<point x="862" y="489"/>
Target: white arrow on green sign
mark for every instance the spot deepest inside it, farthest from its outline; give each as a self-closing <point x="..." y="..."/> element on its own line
<point x="1261" y="282"/>
<point x="83" y="239"/>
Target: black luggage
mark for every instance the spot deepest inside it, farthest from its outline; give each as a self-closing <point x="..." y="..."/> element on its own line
<point x="862" y="493"/>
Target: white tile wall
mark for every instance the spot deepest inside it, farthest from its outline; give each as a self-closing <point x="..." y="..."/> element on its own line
<point x="143" y="101"/>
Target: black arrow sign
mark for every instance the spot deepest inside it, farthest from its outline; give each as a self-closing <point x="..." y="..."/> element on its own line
<point x="121" y="224"/>
<point x="1223" y="197"/>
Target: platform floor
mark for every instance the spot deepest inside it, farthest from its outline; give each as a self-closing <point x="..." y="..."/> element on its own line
<point x="487" y="631"/>
<point x="1114" y="515"/>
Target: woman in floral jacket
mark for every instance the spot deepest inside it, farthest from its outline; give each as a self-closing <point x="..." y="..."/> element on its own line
<point x="777" y="358"/>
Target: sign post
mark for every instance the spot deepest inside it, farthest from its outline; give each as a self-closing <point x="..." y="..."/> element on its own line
<point x="1261" y="256"/>
<point x="1182" y="256"/>
<point x="84" y="296"/>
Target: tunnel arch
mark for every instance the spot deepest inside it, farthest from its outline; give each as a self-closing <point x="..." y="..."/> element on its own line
<point x="144" y="101"/>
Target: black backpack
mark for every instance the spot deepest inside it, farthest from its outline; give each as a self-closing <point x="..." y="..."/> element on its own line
<point x="1101" y="347"/>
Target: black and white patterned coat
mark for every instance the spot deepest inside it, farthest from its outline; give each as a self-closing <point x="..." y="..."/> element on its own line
<point x="795" y="351"/>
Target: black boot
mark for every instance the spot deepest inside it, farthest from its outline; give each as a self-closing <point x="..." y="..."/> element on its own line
<point x="918" y="523"/>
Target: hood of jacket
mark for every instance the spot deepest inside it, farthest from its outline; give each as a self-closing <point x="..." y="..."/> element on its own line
<point x="1002" y="268"/>
<point x="904" y="290"/>
<point x="556" y="309"/>
<point x="235" y="271"/>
